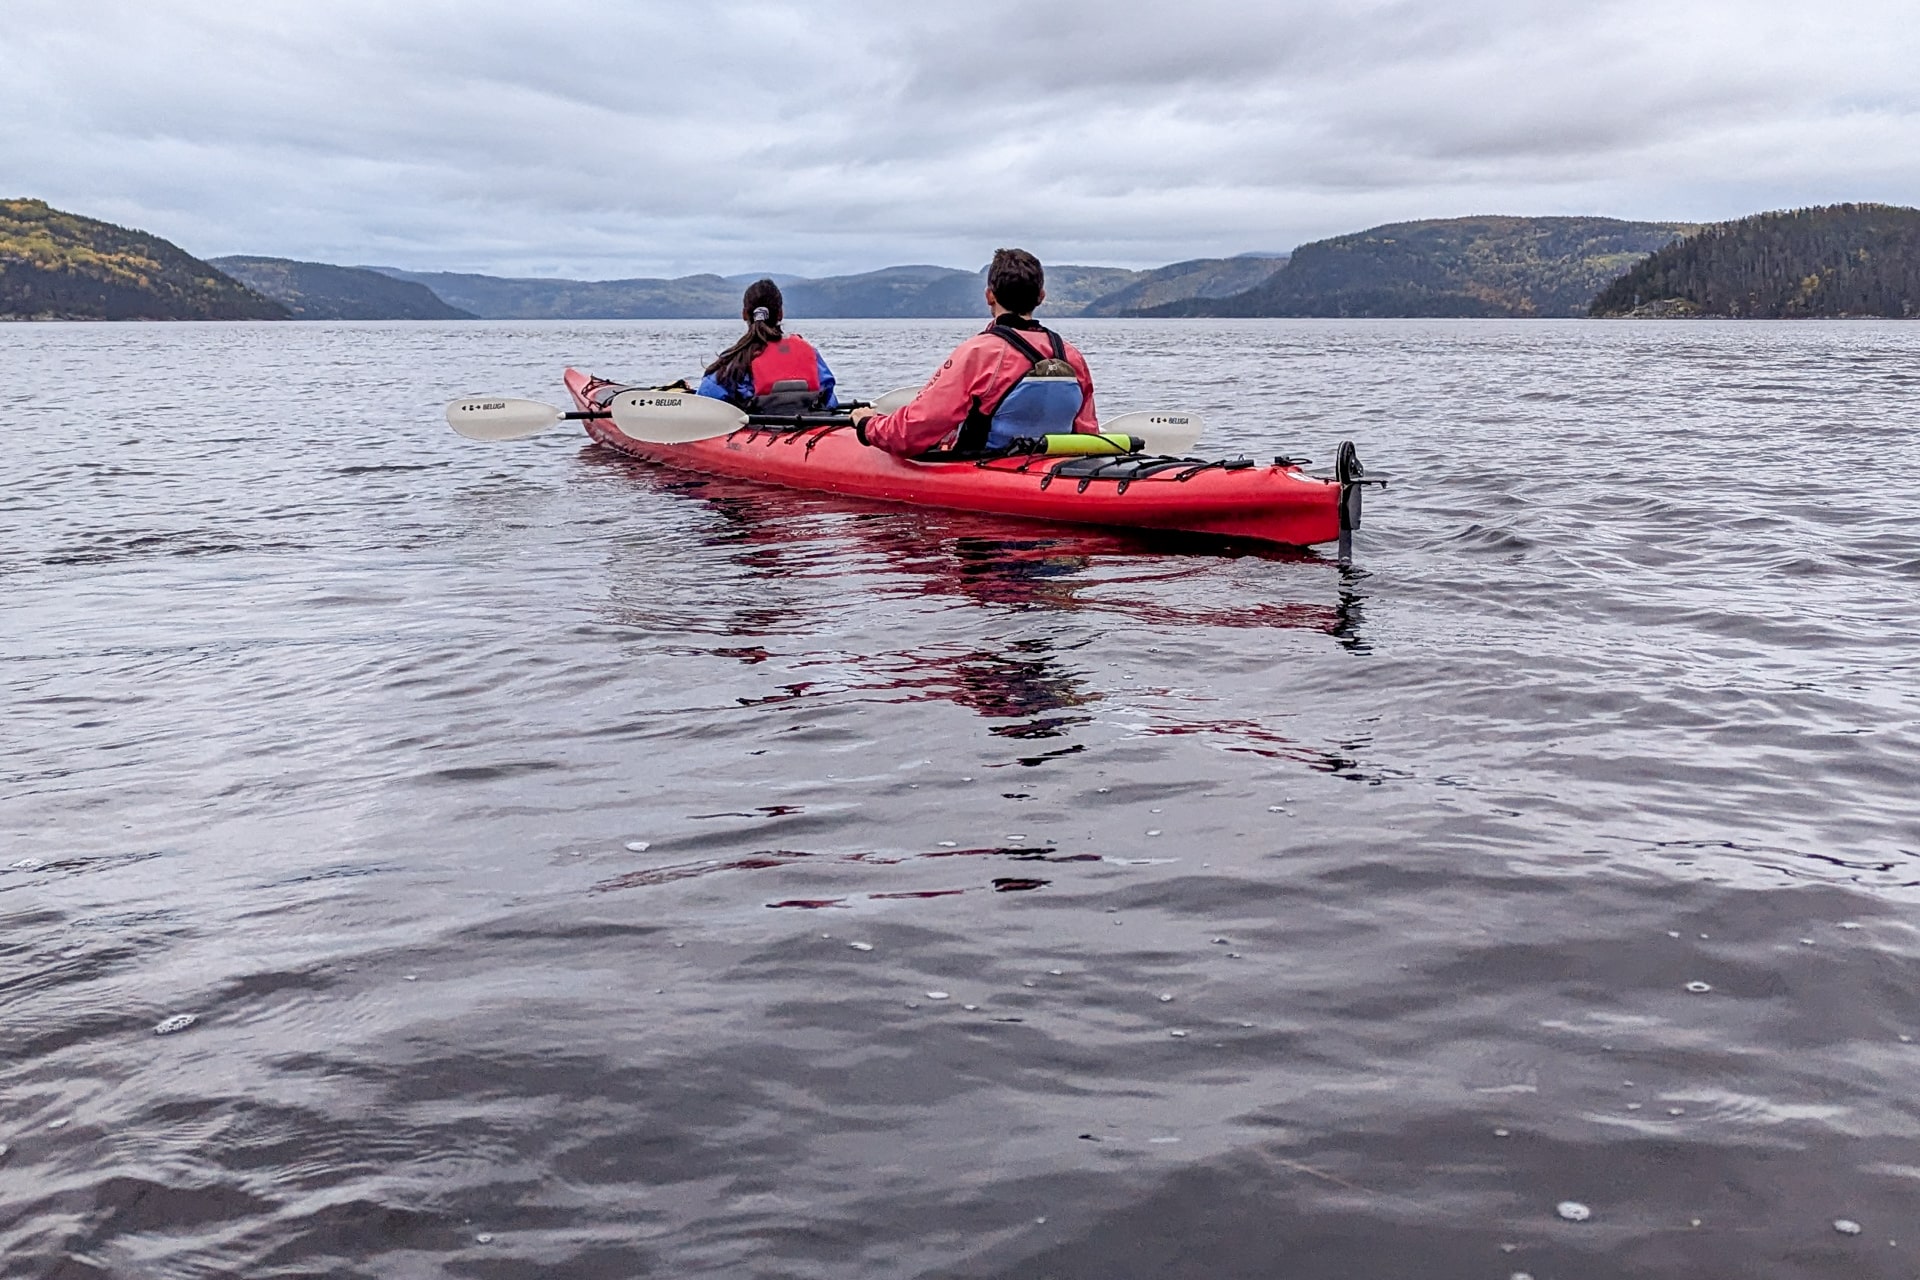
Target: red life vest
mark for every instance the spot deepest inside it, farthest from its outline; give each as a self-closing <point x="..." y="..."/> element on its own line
<point x="782" y="361"/>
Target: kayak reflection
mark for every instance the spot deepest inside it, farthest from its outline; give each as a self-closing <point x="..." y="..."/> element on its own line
<point x="801" y="552"/>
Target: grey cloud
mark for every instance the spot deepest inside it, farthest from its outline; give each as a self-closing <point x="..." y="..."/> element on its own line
<point x="605" y="138"/>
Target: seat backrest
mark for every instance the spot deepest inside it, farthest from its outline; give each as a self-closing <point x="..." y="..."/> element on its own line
<point x="789" y="395"/>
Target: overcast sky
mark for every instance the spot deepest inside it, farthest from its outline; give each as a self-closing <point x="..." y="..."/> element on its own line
<point x="606" y="138"/>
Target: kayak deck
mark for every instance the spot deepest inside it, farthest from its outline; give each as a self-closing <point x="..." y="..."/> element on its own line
<point x="1234" y="499"/>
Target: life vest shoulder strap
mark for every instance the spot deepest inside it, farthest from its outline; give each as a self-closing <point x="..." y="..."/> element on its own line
<point x="1014" y="339"/>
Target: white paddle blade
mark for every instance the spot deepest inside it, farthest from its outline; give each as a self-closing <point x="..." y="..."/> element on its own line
<point x="500" y="418"/>
<point x="895" y="400"/>
<point x="673" y="417"/>
<point x="1173" y="431"/>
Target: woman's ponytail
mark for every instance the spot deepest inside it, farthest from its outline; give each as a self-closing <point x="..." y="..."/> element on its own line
<point x="762" y="308"/>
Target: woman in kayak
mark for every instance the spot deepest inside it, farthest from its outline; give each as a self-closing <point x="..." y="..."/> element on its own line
<point x="1016" y="378"/>
<point x="768" y="371"/>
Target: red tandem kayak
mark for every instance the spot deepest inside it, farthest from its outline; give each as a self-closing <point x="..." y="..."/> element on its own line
<point x="1234" y="499"/>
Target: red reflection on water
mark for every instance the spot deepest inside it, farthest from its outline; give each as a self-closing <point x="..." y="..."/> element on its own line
<point x="988" y="561"/>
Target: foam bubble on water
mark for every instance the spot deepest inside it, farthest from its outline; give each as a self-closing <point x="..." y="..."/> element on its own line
<point x="1503" y="1133"/>
<point x="1153" y="833"/>
<point x="61" y="1123"/>
<point x="938" y="995"/>
<point x="1018" y="835"/>
<point x="1846" y="1226"/>
<point x="1676" y="1111"/>
<point x="861" y="946"/>
<point x="633" y="846"/>
<point x="1520" y="1275"/>
<point x="949" y="844"/>
<point x="178" y="1022"/>
<point x="1155" y="811"/>
<point x="1573" y="1211"/>
<point x="1166" y="996"/>
<point x="28" y="864"/>
<point x="1178" y="1035"/>
<point x="1633" y="1106"/>
<point x="484" y="1238"/>
<point x="1849" y="924"/>
<point x="971" y="1008"/>
<point x="1699" y="988"/>
<point x="1056" y="972"/>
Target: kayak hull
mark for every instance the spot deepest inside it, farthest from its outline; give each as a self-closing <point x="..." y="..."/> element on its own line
<point x="1276" y="504"/>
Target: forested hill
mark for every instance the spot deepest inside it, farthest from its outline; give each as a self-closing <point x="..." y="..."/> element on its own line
<point x="1841" y="260"/>
<point x="1492" y="266"/>
<point x="1195" y="278"/>
<point x="320" y="291"/>
<point x="60" y="266"/>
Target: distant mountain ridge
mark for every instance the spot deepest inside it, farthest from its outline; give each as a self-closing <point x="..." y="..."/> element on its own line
<point x="1195" y="278"/>
<point x="61" y="266"/>
<point x="1481" y="266"/>
<point x="913" y="291"/>
<point x="1836" y="260"/>
<point x="321" y="291"/>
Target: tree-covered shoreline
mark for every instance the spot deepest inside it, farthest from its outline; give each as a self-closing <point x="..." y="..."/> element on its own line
<point x="1835" y="261"/>
<point x="61" y="266"/>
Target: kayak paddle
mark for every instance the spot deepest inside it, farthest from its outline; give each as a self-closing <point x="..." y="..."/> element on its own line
<point x="1169" y="431"/>
<point x="657" y="417"/>
<point x="503" y="418"/>
<point x="679" y="417"/>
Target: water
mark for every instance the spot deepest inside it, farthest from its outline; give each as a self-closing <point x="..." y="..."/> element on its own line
<point x="559" y="857"/>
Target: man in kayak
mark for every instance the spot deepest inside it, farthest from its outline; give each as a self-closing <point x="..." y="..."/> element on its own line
<point x="769" y="370"/>
<point x="1015" y="379"/>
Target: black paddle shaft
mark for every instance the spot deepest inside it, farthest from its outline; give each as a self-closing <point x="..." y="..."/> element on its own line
<point x="799" y="420"/>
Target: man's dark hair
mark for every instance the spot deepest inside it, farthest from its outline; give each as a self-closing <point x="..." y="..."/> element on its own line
<point x="1017" y="280"/>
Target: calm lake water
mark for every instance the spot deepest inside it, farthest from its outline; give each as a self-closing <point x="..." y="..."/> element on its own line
<point x="576" y="868"/>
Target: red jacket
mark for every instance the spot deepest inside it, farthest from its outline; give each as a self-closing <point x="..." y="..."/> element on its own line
<point x="980" y="371"/>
